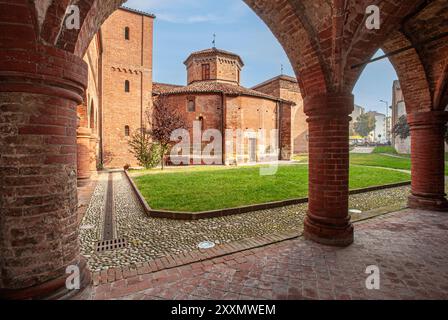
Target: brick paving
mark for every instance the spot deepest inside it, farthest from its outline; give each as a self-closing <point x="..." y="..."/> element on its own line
<point x="408" y="246"/>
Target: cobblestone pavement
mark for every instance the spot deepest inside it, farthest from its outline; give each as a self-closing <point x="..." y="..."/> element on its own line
<point x="409" y="247"/>
<point x="151" y="238"/>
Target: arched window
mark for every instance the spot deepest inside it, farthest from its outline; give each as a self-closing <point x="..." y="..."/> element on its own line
<point x="127" y="35"/>
<point x="127" y="86"/>
<point x="201" y="120"/>
<point x="191" y="105"/>
<point x="206" y="71"/>
<point x="127" y="131"/>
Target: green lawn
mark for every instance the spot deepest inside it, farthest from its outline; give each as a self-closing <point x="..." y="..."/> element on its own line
<point x="402" y="162"/>
<point x="219" y="187"/>
<point x="380" y="160"/>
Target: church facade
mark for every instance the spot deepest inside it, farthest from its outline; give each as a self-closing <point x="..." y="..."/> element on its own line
<point x="121" y="90"/>
<point x="254" y="126"/>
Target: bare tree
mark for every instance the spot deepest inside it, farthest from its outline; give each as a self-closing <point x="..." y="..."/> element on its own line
<point x="163" y="121"/>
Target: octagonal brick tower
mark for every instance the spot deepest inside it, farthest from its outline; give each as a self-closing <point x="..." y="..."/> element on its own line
<point x="214" y="65"/>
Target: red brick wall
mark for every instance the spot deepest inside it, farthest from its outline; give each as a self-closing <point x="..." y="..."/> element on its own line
<point x="242" y="112"/>
<point x="208" y="106"/>
<point x="125" y="60"/>
<point x="290" y="91"/>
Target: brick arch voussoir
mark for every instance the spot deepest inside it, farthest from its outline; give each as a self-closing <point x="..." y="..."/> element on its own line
<point x="441" y="92"/>
<point x="53" y="18"/>
<point x="279" y="17"/>
<point x="98" y="13"/>
<point x="300" y="47"/>
<point x="92" y="14"/>
<point x="69" y="37"/>
<point x="18" y="25"/>
<point x="360" y="43"/>
<point x="411" y="73"/>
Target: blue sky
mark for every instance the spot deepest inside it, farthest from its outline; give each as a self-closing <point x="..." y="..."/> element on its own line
<point x="184" y="26"/>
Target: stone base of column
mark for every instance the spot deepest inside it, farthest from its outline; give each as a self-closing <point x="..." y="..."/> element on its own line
<point x="52" y="290"/>
<point x="329" y="235"/>
<point x="428" y="202"/>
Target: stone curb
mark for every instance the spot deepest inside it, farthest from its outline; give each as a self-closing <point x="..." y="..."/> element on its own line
<point x="179" y="215"/>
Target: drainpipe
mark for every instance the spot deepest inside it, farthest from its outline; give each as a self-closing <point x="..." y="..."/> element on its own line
<point x="279" y="117"/>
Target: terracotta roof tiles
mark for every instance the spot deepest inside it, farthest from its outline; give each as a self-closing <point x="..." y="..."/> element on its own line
<point x="216" y="87"/>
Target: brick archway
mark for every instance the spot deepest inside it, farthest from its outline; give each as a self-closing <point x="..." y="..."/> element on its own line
<point x="423" y="74"/>
<point x="42" y="81"/>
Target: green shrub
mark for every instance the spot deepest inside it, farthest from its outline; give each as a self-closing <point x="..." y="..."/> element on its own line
<point x="146" y="152"/>
<point x="385" y="149"/>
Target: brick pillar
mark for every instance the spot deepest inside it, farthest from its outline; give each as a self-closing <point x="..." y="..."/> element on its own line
<point x="428" y="160"/>
<point x="39" y="91"/>
<point x="83" y="154"/>
<point x="93" y="153"/>
<point x="328" y="221"/>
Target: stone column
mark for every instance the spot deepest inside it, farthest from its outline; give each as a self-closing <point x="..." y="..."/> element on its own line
<point x="83" y="141"/>
<point x="328" y="221"/>
<point x="428" y="160"/>
<point x="39" y="91"/>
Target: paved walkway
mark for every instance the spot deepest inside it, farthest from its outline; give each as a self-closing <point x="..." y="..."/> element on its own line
<point x="395" y="156"/>
<point x="409" y="247"/>
<point x="151" y="238"/>
<point x="365" y="150"/>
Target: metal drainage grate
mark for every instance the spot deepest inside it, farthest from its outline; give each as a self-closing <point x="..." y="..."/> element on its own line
<point x="107" y="245"/>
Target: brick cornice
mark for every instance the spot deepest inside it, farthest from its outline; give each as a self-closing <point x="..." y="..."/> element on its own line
<point x="46" y="70"/>
<point x="420" y="120"/>
<point x="127" y="68"/>
<point x="328" y="105"/>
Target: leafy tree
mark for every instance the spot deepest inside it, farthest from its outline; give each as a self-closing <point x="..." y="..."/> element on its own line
<point x="401" y="129"/>
<point x="163" y="121"/>
<point x="146" y="152"/>
<point x="365" y="124"/>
